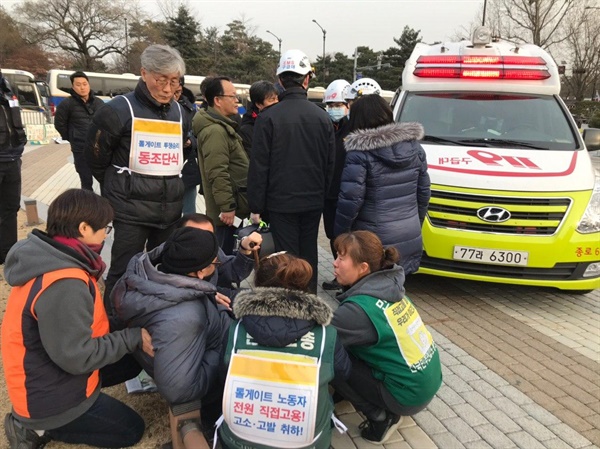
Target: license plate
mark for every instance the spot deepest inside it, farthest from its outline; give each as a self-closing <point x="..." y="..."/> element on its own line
<point x="491" y="256"/>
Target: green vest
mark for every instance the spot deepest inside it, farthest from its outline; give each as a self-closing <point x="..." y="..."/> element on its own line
<point x="309" y="345"/>
<point x="406" y="361"/>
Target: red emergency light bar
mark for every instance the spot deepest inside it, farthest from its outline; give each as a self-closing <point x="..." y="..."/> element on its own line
<point x="482" y="73"/>
<point x="481" y="59"/>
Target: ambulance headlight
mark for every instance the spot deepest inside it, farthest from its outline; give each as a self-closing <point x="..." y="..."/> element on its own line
<point x="590" y="222"/>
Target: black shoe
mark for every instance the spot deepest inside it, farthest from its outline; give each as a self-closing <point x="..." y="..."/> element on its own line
<point x="331" y="285"/>
<point x="21" y="438"/>
<point x="378" y="432"/>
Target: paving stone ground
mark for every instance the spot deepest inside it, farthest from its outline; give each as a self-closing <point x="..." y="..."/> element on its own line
<point x="521" y="365"/>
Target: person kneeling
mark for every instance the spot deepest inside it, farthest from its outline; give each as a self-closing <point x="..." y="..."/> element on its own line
<point x="396" y="368"/>
<point x="57" y="350"/>
<point x="281" y="354"/>
<point x="168" y="290"/>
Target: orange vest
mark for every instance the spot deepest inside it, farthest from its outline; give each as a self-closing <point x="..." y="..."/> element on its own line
<point x="37" y="387"/>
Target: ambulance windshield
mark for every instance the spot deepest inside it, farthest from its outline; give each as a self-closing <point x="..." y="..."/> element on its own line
<point x="498" y="119"/>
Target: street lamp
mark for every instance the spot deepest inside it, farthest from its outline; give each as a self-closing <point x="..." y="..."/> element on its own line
<point x="278" y="40"/>
<point x="126" y="46"/>
<point x="324" y="34"/>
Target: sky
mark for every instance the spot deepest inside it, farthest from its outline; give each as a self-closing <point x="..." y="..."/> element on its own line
<point x="348" y="23"/>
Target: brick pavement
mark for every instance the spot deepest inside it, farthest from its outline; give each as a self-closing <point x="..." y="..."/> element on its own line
<point x="521" y="365"/>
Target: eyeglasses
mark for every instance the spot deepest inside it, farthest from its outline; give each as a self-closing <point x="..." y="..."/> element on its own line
<point x="162" y="82"/>
<point x="217" y="263"/>
<point x="108" y="229"/>
<point x="235" y="97"/>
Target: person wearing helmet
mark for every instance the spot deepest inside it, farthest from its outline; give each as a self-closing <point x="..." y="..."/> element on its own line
<point x="292" y="163"/>
<point x="360" y="87"/>
<point x="337" y="108"/>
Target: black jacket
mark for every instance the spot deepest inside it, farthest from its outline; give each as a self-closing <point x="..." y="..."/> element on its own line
<point x="154" y="201"/>
<point x="190" y="174"/>
<point x="12" y="132"/>
<point x="342" y="128"/>
<point x="246" y="129"/>
<point x="73" y="118"/>
<point x="293" y="154"/>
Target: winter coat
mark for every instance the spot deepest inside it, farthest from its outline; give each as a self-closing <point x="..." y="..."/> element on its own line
<point x="276" y="317"/>
<point x="73" y="118"/>
<point x="12" y="131"/>
<point x="293" y="153"/>
<point x="66" y="314"/>
<point x="223" y="165"/>
<point x="154" y="201"/>
<point x="246" y="130"/>
<point x="342" y="129"/>
<point x="385" y="188"/>
<point x="190" y="173"/>
<point x="186" y="325"/>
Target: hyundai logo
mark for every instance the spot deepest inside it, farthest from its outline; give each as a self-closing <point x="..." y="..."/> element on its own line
<point x="493" y="214"/>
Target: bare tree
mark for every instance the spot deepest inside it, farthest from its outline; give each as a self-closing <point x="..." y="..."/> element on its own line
<point x="582" y="50"/>
<point x="88" y="30"/>
<point x="537" y="22"/>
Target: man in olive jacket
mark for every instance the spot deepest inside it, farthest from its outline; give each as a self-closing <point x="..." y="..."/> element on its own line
<point x="223" y="160"/>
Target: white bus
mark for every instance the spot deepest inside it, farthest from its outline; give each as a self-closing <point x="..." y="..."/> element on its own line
<point x="24" y="86"/>
<point x="108" y="85"/>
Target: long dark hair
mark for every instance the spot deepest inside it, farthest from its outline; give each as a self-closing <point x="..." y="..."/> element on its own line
<point x="370" y="111"/>
<point x="364" y="246"/>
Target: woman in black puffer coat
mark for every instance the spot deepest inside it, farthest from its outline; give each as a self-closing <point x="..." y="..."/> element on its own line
<point x="385" y="186"/>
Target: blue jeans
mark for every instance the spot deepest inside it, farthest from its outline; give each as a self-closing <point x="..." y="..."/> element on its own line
<point x="189" y="200"/>
<point x="108" y="423"/>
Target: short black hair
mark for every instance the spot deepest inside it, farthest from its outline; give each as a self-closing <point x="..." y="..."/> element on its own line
<point x="214" y="88"/>
<point x="203" y="85"/>
<point x="194" y="217"/>
<point x="74" y="206"/>
<point x="262" y="89"/>
<point x="370" y="111"/>
<point x="291" y="79"/>
<point x="78" y="74"/>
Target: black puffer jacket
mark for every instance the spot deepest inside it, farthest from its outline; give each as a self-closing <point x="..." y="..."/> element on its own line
<point x="276" y="317"/>
<point x="386" y="188"/>
<point x="73" y="118"/>
<point x="293" y="152"/>
<point x="190" y="173"/>
<point x="12" y="132"/>
<point x="154" y="201"/>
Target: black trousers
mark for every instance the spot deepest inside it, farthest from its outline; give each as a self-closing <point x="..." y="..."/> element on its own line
<point x="369" y="395"/>
<point x="297" y="234"/>
<point x="10" y="202"/>
<point x="83" y="170"/>
<point x="328" y="222"/>
<point x="130" y="239"/>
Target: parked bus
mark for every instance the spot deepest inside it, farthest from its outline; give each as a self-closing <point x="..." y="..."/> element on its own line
<point x="24" y="87"/>
<point x="108" y="85"/>
<point x="33" y="111"/>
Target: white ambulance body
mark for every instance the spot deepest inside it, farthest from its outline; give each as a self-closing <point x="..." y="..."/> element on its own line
<point x="515" y="198"/>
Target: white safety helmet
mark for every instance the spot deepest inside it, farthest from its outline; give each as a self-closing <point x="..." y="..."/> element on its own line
<point x="335" y="91"/>
<point x="363" y="86"/>
<point x="294" y="61"/>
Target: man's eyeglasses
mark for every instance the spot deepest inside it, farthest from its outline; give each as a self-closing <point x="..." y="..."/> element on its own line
<point x="216" y="263"/>
<point x="162" y="82"/>
<point x="235" y="97"/>
<point x="108" y="229"/>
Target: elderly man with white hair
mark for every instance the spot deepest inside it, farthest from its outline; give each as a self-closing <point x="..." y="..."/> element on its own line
<point x="135" y="150"/>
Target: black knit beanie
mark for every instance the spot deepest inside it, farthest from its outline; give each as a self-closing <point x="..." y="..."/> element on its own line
<point x="189" y="250"/>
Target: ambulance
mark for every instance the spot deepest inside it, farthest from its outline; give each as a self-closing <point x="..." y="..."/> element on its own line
<point x="515" y="198"/>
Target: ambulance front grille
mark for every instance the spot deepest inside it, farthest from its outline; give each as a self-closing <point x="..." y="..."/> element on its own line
<point x="456" y="210"/>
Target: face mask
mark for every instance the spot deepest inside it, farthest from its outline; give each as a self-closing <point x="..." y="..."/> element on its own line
<point x="336" y="114"/>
